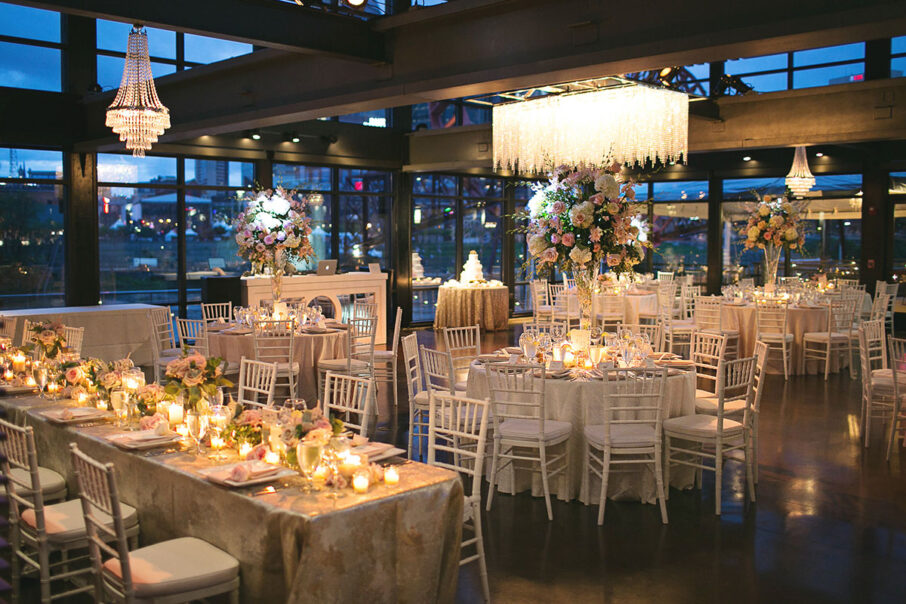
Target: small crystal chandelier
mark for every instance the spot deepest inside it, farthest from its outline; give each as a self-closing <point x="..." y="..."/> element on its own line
<point x="800" y="179"/>
<point x="136" y="114"/>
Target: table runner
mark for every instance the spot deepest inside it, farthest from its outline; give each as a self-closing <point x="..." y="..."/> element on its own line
<point x="393" y="544"/>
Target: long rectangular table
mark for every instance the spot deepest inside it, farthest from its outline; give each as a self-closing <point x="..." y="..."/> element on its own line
<point x="393" y="544"/>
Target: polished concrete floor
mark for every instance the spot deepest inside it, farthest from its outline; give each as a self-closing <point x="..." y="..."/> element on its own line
<point x="829" y="524"/>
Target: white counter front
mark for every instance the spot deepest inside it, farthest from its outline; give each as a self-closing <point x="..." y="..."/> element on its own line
<point x="333" y="287"/>
<point x="112" y="331"/>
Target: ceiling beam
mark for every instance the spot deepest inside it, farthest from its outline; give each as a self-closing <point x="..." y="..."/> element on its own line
<point x="260" y="22"/>
<point x="503" y="46"/>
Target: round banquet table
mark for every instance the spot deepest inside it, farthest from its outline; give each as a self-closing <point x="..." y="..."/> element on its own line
<point x="801" y="320"/>
<point x="566" y="400"/>
<point x="459" y="306"/>
<point x="308" y="350"/>
<point x="634" y="305"/>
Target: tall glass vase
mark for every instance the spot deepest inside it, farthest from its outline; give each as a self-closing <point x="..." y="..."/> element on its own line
<point x="771" y="264"/>
<point x="586" y="281"/>
<point x="277" y="271"/>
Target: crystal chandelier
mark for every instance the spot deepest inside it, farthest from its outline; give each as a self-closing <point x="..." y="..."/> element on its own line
<point x="800" y="179"/>
<point x="136" y="114"/>
<point x="628" y="124"/>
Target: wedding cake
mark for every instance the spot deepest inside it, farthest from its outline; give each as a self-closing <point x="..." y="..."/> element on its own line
<point x="471" y="270"/>
<point x="418" y="271"/>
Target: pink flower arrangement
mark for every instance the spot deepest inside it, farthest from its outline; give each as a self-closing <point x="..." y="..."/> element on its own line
<point x="274" y="229"/>
<point x="49" y="337"/>
<point x="773" y="222"/>
<point x="194" y="376"/>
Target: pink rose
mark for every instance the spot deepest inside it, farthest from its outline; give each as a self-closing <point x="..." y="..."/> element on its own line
<point x="558" y="207"/>
<point x="269" y="239"/>
<point x="595" y="234"/>
<point x="260" y="247"/>
<point x="196" y="359"/>
<point x="249" y="417"/>
<point x="74" y="375"/>
<point x="549" y="255"/>
<point x="150" y="423"/>
<point x="555" y="239"/>
<point x="568" y="239"/>
<point x="257" y="454"/>
<point x="193" y="377"/>
<point x="597" y="199"/>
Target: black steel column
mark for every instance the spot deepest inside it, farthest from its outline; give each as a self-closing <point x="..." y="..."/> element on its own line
<point x="877" y="59"/>
<point x="877" y="217"/>
<point x="401" y="223"/>
<point x="507" y="256"/>
<point x="715" y="231"/>
<point x="264" y="172"/>
<point x="82" y="282"/>
<point x="181" y="235"/>
<point x="335" y="214"/>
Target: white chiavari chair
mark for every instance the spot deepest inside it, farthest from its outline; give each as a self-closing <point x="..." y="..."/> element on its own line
<point x="772" y="328"/>
<point x="664" y="276"/>
<point x="385" y="361"/>
<point x="212" y="311"/>
<point x="677" y="333"/>
<point x="898" y="378"/>
<point x="418" y="396"/>
<point x="26" y="331"/>
<point x="74" y="337"/>
<point x="562" y="305"/>
<point x="464" y="346"/>
<point x="836" y="340"/>
<point x="631" y="431"/>
<point x="163" y="339"/>
<point x="520" y="426"/>
<point x="688" y="294"/>
<point x="546" y="327"/>
<point x="718" y="435"/>
<point x="193" y="334"/>
<point x="709" y="317"/>
<point x="177" y="570"/>
<point x="457" y="432"/>
<point x="359" y="359"/>
<point x="708" y="356"/>
<point x="275" y="343"/>
<point x="879" y="392"/>
<point x="610" y="311"/>
<point x="39" y="530"/>
<point x="8" y="328"/>
<point x="364" y="309"/>
<point x="437" y="369"/>
<point x="847" y="282"/>
<point x="257" y="380"/>
<point x="569" y="282"/>
<point x="541" y="304"/>
<point x="349" y="398"/>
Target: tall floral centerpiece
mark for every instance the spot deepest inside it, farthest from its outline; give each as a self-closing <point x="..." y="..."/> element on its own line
<point x="580" y="218"/>
<point x="773" y="225"/>
<point x="272" y="232"/>
<point x="194" y="379"/>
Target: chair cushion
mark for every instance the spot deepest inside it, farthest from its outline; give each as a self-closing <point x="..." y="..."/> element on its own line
<point x="528" y="429"/>
<point x="701" y="393"/>
<point x="876" y="374"/>
<point x="383" y="355"/>
<point x="623" y="435"/>
<point x="340" y="364"/>
<point x="65" y="521"/>
<point x="775" y="337"/>
<point x="821" y="336"/>
<point x="700" y="425"/>
<point x="176" y="566"/>
<point x="421" y="399"/>
<point x="724" y="332"/>
<point x="461" y="386"/>
<point x="171" y="352"/>
<point x="284" y="367"/>
<point x="708" y="405"/>
<point x="51" y="482"/>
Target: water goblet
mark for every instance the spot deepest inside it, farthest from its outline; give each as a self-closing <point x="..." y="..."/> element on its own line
<point x="197" y="424"/>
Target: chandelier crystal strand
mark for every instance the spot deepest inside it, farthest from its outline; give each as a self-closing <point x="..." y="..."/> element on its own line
<point x="136" y="114"/>
<point x="800" y="179"/>
<point x="629" y="124"/>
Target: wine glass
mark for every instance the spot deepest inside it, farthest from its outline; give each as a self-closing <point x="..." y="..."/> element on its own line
<point x="39" y="372"/>
<point x="198" y="426"/>
<point x="595" y="335"/>
<point x="308" y="454"/>
<point x="558" y="332"/>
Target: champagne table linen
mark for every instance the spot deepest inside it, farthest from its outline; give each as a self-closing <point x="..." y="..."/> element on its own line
<point x="394" y="544"/>
<point x="308" y="351"/>
<point x="487" y="307"/>
<point x="566" y="401"/>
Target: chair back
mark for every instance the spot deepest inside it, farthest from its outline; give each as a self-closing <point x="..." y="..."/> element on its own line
<point x="8" y="327"/>
<point x="872" y="346"/>
<point x="569" y="282"/>
<point x="212" y="311"/>
<point x="362" y="309"/>
<point x="463" y="344"/>
<point x="879" y="307"/>
<point x="411" y="366"/>
<point x="688" y="294"/>
<point x="633" y="396"/>
<point x="348" y="398"/>
<point x="360" y="340"/>
<point x="736" y="382"/>
<point x="26" y="331"/>
<point x="545" y="326"/>
<point x="540" y="297"/>
<point x="708" y="350"/>
<point x="457" y="431"/>
<point x="437" y="367"/>
<point x="162" y="333"/>
<point x="193" y="333"/>
<point x="257" y="380"/>
<point x="772" y="317"/>
<point x="516" y="393"/>
<point x="666" y="295"/>
<point x="666" y="276"/>
<point x="100" y="503"/>
<point x="559" y="300"/>
<point x="397" y="325"/>
<point x="18" y="452"/>
<point x="654" y="331"/>
<point x="897" y="349"/>
<point x="840" y="315"/>
<point x="847" y="282"/>
<point x="610" y="309"/>
<point x="74" y="337"/>
<point x="761" y="363"/>
<point x="274" y="340"/>
<point x="707" y="312"/>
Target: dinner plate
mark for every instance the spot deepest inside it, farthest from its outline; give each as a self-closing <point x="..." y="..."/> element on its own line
<point x="376" y="451"/>
<point x="17" y="389"/>
<point x="145" y="439"/>
<point x="79" y="414"/>
<point x="237" y="331"/>
<point x="220" y="475"/>
<point x="219" y="326"/>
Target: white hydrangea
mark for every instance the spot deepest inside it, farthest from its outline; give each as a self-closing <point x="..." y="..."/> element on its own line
<point x="537" y="244"/>
<point x="276" y="205"/>
<point x="607" y="186"/>
<point x="580" y="255"/>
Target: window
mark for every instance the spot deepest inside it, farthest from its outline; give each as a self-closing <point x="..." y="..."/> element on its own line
<point x="364" y="216"/>
<point x="898" y="57"/>
<point x="32" y="248"/>
<point x="679" y="228"/>
<point x="30" y="49"/>
<point x="379" y="118"/>
<point x="523" y="270"/>
<point x="802" y="68"/>
<point x="434" y="115"/>
<point x="899" y="242"/>
<point x="312" y="181"/>
<point x="738" y="202"/>
<point x="202" y="49"/>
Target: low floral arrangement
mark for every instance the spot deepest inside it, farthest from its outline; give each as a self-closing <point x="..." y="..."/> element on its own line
<point x="245" y="427"/>
<point x="148" y="396"/>
<point x="49" y="338"/>
<point x="582" y="216"/>
<point x="94" y="376"/>
<point x="195" y="377"/>
<point x="274" y="230"/>
<point x="773" y="221"/>
<point x="310" y="424"/>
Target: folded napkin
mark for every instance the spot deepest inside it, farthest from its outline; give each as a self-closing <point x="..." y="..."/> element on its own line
<point x="73" y="413"/>
<point x="162" y="433"/>
<point x="243" y="471"/>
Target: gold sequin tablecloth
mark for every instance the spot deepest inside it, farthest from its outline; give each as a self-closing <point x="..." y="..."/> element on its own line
<point x="394" y="544"/>
<point x="458" y="306"/>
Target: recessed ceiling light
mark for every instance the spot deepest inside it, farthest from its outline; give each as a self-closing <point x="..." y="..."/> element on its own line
<point x="819" y="154"/>
<point x="746" y="158"/>
<point x="255" y="135"/>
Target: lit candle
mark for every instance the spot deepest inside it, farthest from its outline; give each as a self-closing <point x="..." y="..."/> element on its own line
<point x="82" y="398"/>
<point x="19" y="362"/>
<point x="349" y="464"/>
<point x="321" y="472"/>
<point x="130" y="383"/>
<point x="360" y="483"/>
<point x="182" y="430"/>
<point x="217" y="443"/>
<point x="176" y="414"/>
<point x="8" y="375"/>
<point x="272" y="457"/>
<point x="53" y="387"/>
<point x="391" y="475"/>
<point x="244" y="450"/>
<point x="30" y="381"/>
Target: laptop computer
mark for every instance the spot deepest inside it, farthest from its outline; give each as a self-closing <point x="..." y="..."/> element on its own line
<point x="327" y="267"/>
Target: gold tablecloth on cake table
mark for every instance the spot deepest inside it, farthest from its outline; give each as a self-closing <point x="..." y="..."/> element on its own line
<point x="459" y="306"/>
<point x="393" y="544"/>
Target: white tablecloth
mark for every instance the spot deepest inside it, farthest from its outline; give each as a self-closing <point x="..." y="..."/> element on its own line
<point x="566" y="400"/>
<point x="308" y="350"/>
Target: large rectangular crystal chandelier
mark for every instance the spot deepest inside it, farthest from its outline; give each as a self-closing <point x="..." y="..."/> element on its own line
<point x="628" y="124"/>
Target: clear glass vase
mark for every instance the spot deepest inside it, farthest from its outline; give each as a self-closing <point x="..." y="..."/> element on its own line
<point x="586" y="282"/>
<point x="771" y="264"/>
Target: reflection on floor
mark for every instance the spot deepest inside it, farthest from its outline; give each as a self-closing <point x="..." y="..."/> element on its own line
<point x="829" y="524"/>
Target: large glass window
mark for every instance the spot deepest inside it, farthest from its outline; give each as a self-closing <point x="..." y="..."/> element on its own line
<point x="802" y="68"/>
<point x="899" y="241"/>
<point x="378" y="118"/>
<point x="32" y="248"/>
<point x="364" y="215"/>
<point x="202" y="49"/>
<point x="740" y="195"/>
<point x="30" y="53"/>
<point x="898" y="57"/>
<point x="679" y="228"/>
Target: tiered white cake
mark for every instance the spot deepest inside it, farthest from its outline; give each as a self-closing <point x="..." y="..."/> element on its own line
<point x="471" y="270"/>
<point x="418" y="271"/>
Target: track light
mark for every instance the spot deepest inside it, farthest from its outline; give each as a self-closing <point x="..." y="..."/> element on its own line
<point x="747" y="158"/>
<point x="730" y="82"/>
<point x="666" y="76"/>
<point x="291" y="137"/>
<point x="295" y="137"/>
<point x="253" y="134"/>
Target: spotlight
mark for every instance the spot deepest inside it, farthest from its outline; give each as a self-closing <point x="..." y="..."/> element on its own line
<point x="295" y="138"/>
<point x="819" y="154"/>
<point x="291" y="137"/>
<point x="730" y="82"/>
<point x="747" y="158"/>
<point x="666" y="76"/>
<point x="253" y="134"/>
<point x="357" y="4"/>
